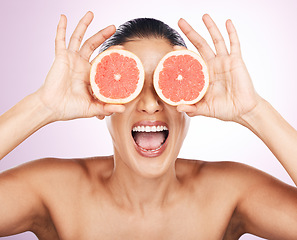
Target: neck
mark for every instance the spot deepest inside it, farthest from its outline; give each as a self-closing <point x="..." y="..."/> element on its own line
<point x="138" y="192"/>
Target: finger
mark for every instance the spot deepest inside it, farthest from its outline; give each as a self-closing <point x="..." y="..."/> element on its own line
<point x="102" y="110"/>
<point x="198" y="41"/>
<point x="233" y="37"/>
<point x="79" y="32"/>
<point x="95" y="41"/>
<point x="216" y="35"/>
<point x="60" y="36"/>
<point x="186" y="108"/>
<point x="113" y="108"/>
<point x="199" y="109"/>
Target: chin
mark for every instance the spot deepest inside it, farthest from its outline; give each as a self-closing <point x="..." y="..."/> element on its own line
<point x="150" y="167"/>
<point x="153" y="168"/>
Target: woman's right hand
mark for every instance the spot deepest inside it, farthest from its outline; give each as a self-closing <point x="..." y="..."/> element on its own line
<point x="66" y="90"/>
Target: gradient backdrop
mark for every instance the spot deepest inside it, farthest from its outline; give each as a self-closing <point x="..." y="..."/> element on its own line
<point x="268" y="34"/>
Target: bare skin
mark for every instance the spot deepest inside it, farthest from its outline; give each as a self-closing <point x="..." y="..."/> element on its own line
<point x="128" y="196"/>
<point x="78" y="201"/>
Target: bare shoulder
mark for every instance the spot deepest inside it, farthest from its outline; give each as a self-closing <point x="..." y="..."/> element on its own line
<point x="50" y="175"/>
<point x="48" y="188"/>
<point x="237" y="179"/>
<point x="234" y="172"/>
<point x="256" y="199"/>
<point x="57" y="169"/>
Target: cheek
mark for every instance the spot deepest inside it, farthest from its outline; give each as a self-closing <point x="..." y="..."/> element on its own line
<point x="113" y="126"/>
<point x="186" y="120"/>
<point x="179" y="119"/>
<point x="118" y="127"/>
<point x="185" y="123"/>
<point x="181" y="122"/>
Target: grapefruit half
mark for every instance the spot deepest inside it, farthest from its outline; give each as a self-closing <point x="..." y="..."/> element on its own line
<point x="116" y="76"/>
<point x="181" y="77"/>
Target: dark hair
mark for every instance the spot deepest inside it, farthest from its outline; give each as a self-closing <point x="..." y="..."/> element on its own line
<point x="143" y="28"/>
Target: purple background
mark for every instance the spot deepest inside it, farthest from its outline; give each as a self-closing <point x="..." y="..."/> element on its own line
<point x="267" y="30"/>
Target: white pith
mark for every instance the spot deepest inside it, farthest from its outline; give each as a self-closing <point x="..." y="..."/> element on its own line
<point x="117" y="77"/>
<point x="179" y="77"/>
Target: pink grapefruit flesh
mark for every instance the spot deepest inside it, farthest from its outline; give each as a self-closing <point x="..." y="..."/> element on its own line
<point x="181" y="77"/>
<point x="117" y="76"/>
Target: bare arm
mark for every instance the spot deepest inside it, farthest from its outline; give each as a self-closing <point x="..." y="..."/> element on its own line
<point x="278" y="135"/>
<point x="21" y="206"/>
<point x="65" y="93"/>
<point x="267" y="206"/>
<point x="21" y="121"/>
<point x="231" y="96"/>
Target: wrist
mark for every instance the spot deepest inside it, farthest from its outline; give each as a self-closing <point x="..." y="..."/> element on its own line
<point x="262" y="119"/>
<point x="46" y="113"/>
<point x="21" y="121"/>
<point x="41" y="112"/>
<point x="258" y="114"/>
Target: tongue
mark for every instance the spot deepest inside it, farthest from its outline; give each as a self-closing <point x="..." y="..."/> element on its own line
<point x="149" y="140"/>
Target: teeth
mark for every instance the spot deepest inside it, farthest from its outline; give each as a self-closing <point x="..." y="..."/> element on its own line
<point x="151" y="150"/>
<point x="149" y="128"/>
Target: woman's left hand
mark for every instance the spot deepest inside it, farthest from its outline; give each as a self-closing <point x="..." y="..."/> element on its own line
<point x="230" y="94"/>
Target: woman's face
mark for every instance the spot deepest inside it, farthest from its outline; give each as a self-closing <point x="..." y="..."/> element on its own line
<point x="147" y="137"/>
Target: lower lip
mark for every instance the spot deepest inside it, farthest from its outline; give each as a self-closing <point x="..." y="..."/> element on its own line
<point x="151" y="153"/>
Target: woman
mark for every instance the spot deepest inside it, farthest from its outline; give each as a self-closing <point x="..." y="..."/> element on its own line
<point x="138" y="194"/>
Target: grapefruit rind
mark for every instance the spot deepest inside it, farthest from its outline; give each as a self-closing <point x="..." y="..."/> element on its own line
<point x="160" y="67"/>
<point x="93" y="72"/>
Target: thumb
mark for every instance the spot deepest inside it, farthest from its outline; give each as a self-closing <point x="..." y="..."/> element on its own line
<point x="190" y="110"/>
<point x="198" y="109"/>
<point x="101" y="109"/>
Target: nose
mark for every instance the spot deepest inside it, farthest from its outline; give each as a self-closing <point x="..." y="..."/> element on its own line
<point x="149" y="102"/>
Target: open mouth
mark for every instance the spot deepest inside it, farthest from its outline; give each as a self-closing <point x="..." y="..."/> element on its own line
<point x="150" y="138"/>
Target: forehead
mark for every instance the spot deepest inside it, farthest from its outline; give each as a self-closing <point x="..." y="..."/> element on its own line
<point x="149" y="50"/>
